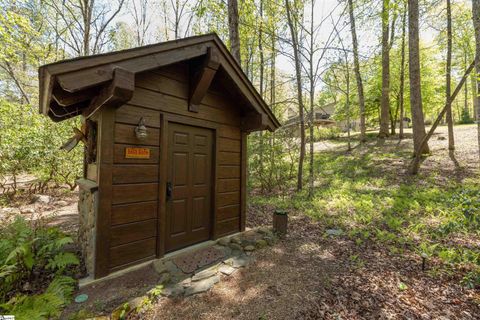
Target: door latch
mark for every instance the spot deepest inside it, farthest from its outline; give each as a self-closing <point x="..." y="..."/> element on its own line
<point x="169" y="191"/>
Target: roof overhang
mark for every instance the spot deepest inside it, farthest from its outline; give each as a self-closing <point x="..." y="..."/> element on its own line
<point x="69" y="88"/>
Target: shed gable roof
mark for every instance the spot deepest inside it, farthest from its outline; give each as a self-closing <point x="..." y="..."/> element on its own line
<point x="68" y="87"/>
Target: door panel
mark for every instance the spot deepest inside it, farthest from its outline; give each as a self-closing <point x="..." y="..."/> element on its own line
<point x="189" y="209"/>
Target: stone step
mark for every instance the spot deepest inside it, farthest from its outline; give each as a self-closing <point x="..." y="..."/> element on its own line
<point x="202" y="285"/>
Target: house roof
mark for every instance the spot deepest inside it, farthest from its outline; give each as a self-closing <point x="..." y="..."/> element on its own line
<point x="68" y="87"/>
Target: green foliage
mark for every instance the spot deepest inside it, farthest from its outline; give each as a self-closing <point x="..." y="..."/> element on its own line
<point x="320" y="134"/>
<point x="465" y="117"/>
<point x="402" y="286"/>
<point x="155" y="292"/>
<point x="27" y="251"/>
<point x="30" y="144"/>
<point x="472" y="279"/>
<point x="42" y="306"/>
<point x="272" y="159"/>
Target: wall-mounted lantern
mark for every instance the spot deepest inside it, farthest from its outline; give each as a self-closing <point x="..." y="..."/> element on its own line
<point x="141" y="130"/>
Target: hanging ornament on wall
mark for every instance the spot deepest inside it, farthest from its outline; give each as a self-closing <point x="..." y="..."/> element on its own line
<point x="73" y="141"/>
<point x="141" y="130"/>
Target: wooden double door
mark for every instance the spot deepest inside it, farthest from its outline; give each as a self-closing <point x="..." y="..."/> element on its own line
<point x="189" y="186"/>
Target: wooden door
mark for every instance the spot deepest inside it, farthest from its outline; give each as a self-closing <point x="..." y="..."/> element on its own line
<point x="189" y="186"/>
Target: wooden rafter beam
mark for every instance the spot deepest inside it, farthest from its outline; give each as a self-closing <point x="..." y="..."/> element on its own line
<point x="116" y="93"/>
<point x="255" y="121"/>
<point x="202" y="78"/>
<point x="64" y="98"/>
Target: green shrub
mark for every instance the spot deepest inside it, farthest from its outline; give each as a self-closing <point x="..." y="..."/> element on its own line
<point x="465" y="117"/>
<point x="321" y="134"/>
<point x="30" y="143"/>
<point x="31" y="254"/>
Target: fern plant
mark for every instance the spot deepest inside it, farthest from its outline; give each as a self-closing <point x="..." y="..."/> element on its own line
<point x="31" y="254"/>
<point x="42" y="306"/>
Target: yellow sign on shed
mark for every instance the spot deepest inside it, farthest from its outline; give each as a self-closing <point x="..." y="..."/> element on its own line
<point x="137" y="153"/>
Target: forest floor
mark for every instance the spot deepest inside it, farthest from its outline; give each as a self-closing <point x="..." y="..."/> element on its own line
<point x="383" y="221"/>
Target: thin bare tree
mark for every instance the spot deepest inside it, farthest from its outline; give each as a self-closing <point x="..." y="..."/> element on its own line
<point x="86" y="23"/>
<point x="142" y="19"/>
<point x="233" y="30"/>
<point x="476" y="25"/>
<point x="385" y="100"/>
<point x="401" y="100"/>
<point x="448" y="75"/>
<point x="358" y="75"/>
<point x="415" y="84"/>
<point x="292" y="20"/>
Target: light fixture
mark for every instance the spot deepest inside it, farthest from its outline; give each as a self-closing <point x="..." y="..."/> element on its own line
<point x="141" y="130"/>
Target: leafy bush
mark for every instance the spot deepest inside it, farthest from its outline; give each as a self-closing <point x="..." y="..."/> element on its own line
<point x="31" y="254"/>
<point x="30" y="144"/>
<point x="321" y="134"/>
<point x="465" y="117"/>
<point x="272" y="160"/>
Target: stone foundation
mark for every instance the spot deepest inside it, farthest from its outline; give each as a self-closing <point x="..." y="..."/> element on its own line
<point x="87" y="210"/>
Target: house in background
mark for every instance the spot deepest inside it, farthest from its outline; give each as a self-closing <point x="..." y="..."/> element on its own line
<point x="322" y="117"/>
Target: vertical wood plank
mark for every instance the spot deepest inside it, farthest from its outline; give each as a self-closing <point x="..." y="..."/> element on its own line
<point x="162" y="188"/>
<point x="216" y="152"/>
<point x="102" y="243"/>
<point x="243" y="183"/>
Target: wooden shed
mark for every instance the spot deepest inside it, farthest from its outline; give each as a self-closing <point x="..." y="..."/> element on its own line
<point x="165" y="129"/>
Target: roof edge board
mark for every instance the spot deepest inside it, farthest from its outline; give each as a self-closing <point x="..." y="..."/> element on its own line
<point x="74" y="64"/>
<point x="92" y="76"/>
<point x="245" y="79"/>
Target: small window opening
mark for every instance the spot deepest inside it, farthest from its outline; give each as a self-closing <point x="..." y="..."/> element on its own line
<point x="91" y="152"/>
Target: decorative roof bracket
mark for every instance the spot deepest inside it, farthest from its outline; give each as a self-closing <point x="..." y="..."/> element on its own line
<point x="116" y="93"/>
<point x="202" y="78"/>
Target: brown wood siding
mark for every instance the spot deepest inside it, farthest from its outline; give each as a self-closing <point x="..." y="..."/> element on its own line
<point x="133" y="212"/>
<point x="136" y="189"/>
<point x="134" y="251"/>
<point x="228" y="181"/>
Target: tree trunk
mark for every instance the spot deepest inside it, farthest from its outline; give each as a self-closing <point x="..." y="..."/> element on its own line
<point x="298" y="70"/>
<point x="402" y="72"/>
<point x="415" y="164"/>
<point x="414" y="73"/>
<point x="347" y="101"/>
<point x="358" y="76"/>
<point x="474" y="93"/>
<point x="393" y="119"/>
<point x="272" y="101"/>
<point x="233" y="29"/>
<point x="448" y="88"/>
<point x="476" y="24"/>
<point x="311" y="177"/>
<point x="385" y="102"/>
<point x="177" y="19"/>
<point x="465" y="88"/>
<point x="87" y="7"/>
<point x="260" y="49"/>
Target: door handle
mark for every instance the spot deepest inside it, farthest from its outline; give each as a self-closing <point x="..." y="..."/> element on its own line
<point x="169" y="191"/>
